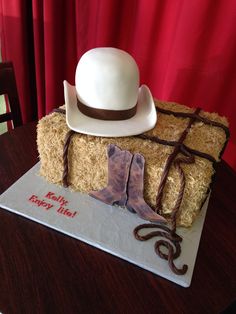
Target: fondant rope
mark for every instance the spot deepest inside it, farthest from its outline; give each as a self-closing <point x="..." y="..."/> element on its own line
<point x="187" y="160"/>
<point x="65" y="157"/>
<point x="183" y="148"/>
<point x="169" y="161"/>
<point x="195" y="116"/>
<point x="173" y="247"/>
<point x="59" y="110"/>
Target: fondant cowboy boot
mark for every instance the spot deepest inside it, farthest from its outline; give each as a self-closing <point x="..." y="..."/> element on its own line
<point x="136" y="201"/>
<point x="118" y="174"/>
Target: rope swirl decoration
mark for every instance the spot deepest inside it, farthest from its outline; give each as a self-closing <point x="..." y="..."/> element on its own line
<point x="171" y="243"/>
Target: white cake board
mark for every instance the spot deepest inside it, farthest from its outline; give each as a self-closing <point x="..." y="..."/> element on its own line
<point x="108" y="228"/>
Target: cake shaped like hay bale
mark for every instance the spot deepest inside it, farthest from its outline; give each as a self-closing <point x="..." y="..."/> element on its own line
<point x="204" y="139"/>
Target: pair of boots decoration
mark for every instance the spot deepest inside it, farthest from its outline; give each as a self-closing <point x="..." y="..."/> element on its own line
<point x="125" y="184"/>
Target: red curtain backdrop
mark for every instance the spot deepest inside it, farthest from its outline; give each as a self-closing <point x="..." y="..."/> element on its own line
<point x="185" y="49"/>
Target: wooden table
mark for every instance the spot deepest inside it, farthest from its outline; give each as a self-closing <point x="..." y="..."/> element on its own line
<point x="44" y="271"/>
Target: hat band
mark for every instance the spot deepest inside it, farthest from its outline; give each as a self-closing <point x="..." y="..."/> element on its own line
<point x="106" y="114"/>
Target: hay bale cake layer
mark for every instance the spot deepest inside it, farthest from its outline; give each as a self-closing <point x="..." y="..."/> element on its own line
<point x="87" y="159"/>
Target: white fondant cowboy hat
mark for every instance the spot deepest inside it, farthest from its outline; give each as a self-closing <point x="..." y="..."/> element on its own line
<point x="107" y="100"/>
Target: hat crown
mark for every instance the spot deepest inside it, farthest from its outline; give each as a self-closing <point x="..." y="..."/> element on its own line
<point x="107" y="78"/>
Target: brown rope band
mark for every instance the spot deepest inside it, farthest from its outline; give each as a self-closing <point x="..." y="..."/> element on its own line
<point x="183" y="147"/>
<point x="65" y="150"/>
<point x="188" y="159"/>
<point x="173" y="247"/>
<point x="65" y="158"/>
<point x="59" y="110"/>
<point x="169" y="161"/>
<point x="196" y="117"/>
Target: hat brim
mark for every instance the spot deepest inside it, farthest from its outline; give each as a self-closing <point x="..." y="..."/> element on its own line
<point x="144" y="119"/>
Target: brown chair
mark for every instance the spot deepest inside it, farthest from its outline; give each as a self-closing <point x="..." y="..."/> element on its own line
<point x="8" y="87"/>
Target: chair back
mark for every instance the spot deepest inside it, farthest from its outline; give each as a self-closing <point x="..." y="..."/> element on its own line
<point x="8" y="87"/>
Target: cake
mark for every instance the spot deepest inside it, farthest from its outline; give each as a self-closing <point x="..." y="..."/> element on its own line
<point x="87" y="157"/>
<point x="176" y="147"/>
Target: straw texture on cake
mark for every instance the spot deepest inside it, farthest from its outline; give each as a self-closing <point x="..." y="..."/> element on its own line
<point x="88" y="161"/>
